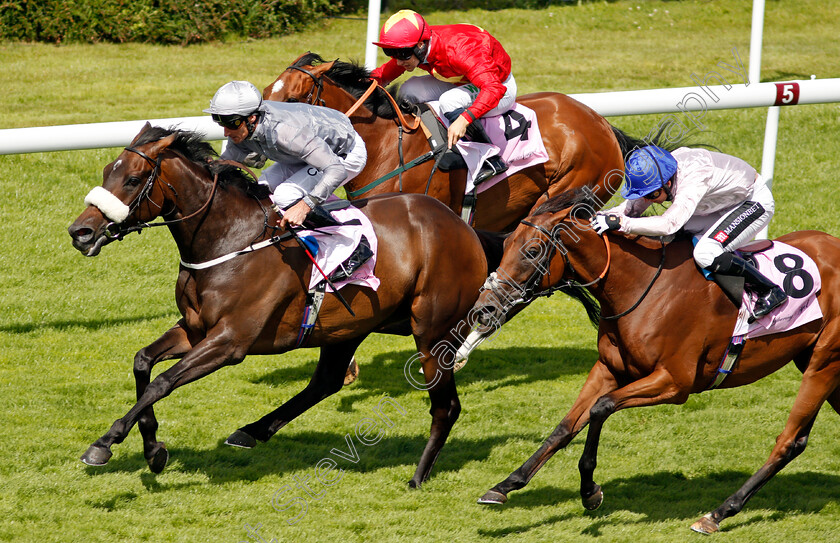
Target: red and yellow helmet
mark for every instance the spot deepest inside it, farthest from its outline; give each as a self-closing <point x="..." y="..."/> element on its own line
<point x="403" y="29"/>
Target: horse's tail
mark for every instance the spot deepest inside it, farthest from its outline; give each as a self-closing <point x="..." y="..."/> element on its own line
<point x="493" y="244"/>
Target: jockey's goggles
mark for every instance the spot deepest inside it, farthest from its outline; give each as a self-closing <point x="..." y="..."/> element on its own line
<point x="401" y="53"/>
<point x="652" y="195"/>
<point x="231" y="122"/>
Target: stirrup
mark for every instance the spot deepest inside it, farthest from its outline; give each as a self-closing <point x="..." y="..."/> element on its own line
<point x="491" y="167"/>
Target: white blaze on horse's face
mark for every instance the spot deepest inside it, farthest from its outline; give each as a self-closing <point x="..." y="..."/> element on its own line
<point x="116" y="165"/>
<point x="278" y="86"/>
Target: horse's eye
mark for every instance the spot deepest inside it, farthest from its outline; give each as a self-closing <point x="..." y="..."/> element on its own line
<point x="292" y="100"/>
<point x="132" y="181"/>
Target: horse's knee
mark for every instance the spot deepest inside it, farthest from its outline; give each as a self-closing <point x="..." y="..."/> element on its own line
<point x="603" y="408"/>
<point x="142" y="363"/>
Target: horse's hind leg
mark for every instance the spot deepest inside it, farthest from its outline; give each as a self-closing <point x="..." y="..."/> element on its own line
<point x="599" y="382"/>
<point x="817" y="386"/>
<point x="445" y="410"/>
<point x="328" y="379"/>
<point x="174" y="343"/>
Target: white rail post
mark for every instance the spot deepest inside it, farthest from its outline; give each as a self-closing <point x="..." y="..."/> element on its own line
<point x="771" y="128"/>
<point x="374" y="8"/>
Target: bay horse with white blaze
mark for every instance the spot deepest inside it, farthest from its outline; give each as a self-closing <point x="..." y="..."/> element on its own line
<point x="430" y="263"/>
<point x="642" y="290"/>
<point x="583" y="148"/>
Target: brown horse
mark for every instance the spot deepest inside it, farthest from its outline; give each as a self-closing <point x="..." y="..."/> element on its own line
<point x="431" y="265"/>
<point x="583" y="148"/>
<point x="643" y="289"/>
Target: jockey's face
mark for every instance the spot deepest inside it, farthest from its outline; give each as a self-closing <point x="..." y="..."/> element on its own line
<point x="411" y="62"/>
<point x="238" y="135"/>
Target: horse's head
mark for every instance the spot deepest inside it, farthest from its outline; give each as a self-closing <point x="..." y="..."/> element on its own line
<point x="302" y="81"/>
<point x="129" y="194"/>
<point x="536" y="257"/>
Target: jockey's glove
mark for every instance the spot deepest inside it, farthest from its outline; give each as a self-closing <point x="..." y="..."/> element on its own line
<point x="605" y="223"/>
<point x="254" y="160"/>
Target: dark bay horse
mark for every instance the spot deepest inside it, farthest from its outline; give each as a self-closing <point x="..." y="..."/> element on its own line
<point x="583" y="148"/>
<point x="430" y="263"/>
<point x="642" y="360"/>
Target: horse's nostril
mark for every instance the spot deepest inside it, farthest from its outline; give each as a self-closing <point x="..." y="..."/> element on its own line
<point x="80" y="232"/>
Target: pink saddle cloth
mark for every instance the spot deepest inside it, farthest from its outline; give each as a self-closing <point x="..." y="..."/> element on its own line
<point x="336" y="244"/>
<point x="799" y="276"/>
<point x="516" y="138"/>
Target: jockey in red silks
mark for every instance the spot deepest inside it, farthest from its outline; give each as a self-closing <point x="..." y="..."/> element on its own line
<point x="469" y="74"/>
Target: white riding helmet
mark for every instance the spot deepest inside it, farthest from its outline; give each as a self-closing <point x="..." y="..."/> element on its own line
<point x="235" y="98"/>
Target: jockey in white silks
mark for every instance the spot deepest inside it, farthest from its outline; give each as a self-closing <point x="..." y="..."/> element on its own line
<point x="718" y="197"/>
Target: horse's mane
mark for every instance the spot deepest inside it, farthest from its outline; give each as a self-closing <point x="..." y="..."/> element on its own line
<point x="355" y="79"/>
<point x="192" y="146"/>
<point x="565" y="200"/>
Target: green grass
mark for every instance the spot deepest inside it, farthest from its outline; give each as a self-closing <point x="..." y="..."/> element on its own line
<point x="70" y="326"/>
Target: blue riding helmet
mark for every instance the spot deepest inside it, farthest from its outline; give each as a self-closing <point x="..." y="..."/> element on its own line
<point x="647" y="169"/>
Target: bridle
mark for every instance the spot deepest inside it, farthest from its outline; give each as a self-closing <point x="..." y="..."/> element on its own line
<point x="116" y="231"/>
<point x="317" y="84"/>
<point x="528" y="289"/>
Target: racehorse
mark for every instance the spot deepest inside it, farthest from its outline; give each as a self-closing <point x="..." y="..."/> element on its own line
<point x="583" y="148"/>
<point x="431" y="266"/>
<point x="642" y="360"/>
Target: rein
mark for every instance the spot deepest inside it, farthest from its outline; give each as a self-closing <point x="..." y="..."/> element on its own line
<point x="144" y="194"/>
<point x="542" y="269"/>
<point x="402" y="124"/>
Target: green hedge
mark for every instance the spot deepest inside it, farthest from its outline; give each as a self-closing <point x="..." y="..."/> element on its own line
<point x="159" y="21"/>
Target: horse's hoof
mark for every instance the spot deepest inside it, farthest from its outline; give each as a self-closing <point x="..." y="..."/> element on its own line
<point x="352" y="372"/>
<point x="414" y="483"/>
<point x="594" y="501"/>
<point x="158" y="458"/>
<point x="492" y="497"/>
<point x="96" y="455"/>
<point x="705" y="525"/>
<point x="241" y="439"/>
<point x="459" y="363"/>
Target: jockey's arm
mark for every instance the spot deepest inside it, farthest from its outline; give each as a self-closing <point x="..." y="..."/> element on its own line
<point x="387" y="72"/>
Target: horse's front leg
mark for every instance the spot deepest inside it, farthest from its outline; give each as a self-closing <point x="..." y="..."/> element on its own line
<point x="221" y="348"/>
<point x="445" y="410"/>
<point x="174" y="343"/>
<point x="599" y="382"/>
<point x="327" y="380"/>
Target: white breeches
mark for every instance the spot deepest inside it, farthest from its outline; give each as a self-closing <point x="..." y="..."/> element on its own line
<point x="427" y="88"/>
<point x="732" y="228"/>
<point x="291" y="182"/>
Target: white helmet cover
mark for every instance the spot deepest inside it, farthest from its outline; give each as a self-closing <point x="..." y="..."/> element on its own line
<point x="235" y="98"/>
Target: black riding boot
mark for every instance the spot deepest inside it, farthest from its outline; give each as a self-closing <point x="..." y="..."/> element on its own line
<point x="475" y="132"/>
<point x="770" y="295"/>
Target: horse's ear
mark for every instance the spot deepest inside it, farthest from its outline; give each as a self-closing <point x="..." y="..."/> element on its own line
<point x="323" y="68"/>
<point x="160" y="145"/>
<point x="146" y="127"/>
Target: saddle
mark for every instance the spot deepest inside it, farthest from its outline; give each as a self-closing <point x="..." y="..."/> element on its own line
<point x="436" y="133"/>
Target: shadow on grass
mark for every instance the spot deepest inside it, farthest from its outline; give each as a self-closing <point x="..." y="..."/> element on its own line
<point x="96" y="324"/>
<point x="290" y="453"/>
<point x="669" y="496"/>
<point x="491" y="369"/>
